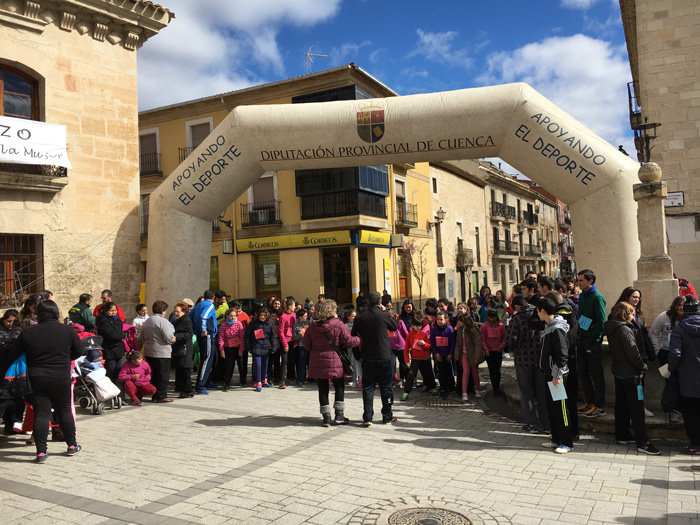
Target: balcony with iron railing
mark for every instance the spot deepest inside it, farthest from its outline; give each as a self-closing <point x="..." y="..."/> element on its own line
<point x="505" y="247"/>
<point x="149" y="164"/>
<point x="501" y="211"/>
<point x="565" y="223"/>
<point x="406" y="214"/>
<point x="532" y="250"/>
<point x="183" y="153"/>
<point x="342" y="204"/>
<point x="530" y="218"/>
<point x="260" y="214"/>
<point x="464" y="260"/>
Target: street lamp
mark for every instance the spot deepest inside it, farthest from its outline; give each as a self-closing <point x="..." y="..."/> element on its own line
<point x="439" y="216"/>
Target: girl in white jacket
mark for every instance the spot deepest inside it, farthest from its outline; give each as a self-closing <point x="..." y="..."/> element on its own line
<point x="663" y="326"/>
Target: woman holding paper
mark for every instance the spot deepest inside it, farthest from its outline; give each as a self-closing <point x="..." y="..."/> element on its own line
<point x="628" y="368"/>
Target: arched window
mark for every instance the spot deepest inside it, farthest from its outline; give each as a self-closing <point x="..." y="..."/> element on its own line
<point x="18" y="94"/>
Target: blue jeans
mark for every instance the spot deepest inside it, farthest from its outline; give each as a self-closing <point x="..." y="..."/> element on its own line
<point x="377" y="372"/>
<point x="302" y="363"/>
<point x="207" y="351"/>
<point x="260" y="368"/>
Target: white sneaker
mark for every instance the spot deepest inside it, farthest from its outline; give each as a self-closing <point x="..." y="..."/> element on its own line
<point x="563" y="449"/>
<point x="477" y="393"/>
<point x="550" y="444"/>
<point x="465" y="397"/>
<point x="648" y="413"/>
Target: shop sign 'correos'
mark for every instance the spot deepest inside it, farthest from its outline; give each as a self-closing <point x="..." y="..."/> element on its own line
<point x="320" y="240"/>
<point x="263" y="245"/>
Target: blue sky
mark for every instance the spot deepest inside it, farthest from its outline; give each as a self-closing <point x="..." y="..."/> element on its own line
<point x="572" y="51"/>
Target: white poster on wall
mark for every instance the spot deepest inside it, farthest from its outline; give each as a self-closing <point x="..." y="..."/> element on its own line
<point x="25" y="141"/>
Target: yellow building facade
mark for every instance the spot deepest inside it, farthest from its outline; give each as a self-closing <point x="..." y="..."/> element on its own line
<point x="304" y="232"/>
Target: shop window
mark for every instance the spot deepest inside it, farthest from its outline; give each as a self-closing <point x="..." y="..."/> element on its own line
<point x="21" y="267"/>
<point x="267" y="274"/>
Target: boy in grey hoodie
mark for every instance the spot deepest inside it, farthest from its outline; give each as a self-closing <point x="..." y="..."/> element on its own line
<point x="554" y="365"/>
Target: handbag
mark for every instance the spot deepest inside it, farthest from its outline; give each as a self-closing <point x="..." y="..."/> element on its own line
<point x="16" y="384"/>
<point x="344" y="358"/>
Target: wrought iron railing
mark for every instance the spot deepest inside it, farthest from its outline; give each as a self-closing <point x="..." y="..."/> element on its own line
<point x="260" y="214"/>
<point x="183" y="153"/>
<point x="149" y="164"/>
<point x="505" y="247"/>
<point x="532" y="250"/>
<point x="406" y="214"/>
<point x="34" y="169"/>
<point x="498" y="209"/>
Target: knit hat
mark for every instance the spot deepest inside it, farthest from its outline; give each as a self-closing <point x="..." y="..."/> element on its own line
<point x="691" y="307"/>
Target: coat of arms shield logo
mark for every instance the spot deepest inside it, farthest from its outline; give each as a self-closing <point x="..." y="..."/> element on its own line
<point x="370" y="124"/>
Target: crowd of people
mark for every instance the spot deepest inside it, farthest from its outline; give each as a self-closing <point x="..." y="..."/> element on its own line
<point x="552" y="328"/>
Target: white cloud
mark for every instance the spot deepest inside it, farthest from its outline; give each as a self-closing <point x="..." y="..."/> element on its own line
<point x="214" y="46"/>
<point x="585" y="76"/>
<point x="347" y="52"/>
<point x="411" y="73"/>
<point x="578" y="4"/>
<point x="438" y="47"/>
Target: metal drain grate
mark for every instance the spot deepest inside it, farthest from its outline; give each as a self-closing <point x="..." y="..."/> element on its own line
<point x="428" y="516"/>
<point x="437" y="402"/>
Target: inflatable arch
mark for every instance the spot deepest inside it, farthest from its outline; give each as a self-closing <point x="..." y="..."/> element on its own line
<point x="512" y="121"/>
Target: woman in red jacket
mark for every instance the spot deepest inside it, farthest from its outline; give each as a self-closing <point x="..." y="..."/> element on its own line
<point x="323" y="340"/>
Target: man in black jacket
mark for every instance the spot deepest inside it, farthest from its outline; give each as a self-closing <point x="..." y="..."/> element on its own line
<point x="373" y="326"/>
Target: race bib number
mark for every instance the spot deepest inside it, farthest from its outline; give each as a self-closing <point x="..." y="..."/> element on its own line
<point x="259" y="334"/>
<point x="442" y="341"/>
<point x="585" y="322"/>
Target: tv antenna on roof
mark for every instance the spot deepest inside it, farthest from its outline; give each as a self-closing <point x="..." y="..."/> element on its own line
<point x="310" y="58"/>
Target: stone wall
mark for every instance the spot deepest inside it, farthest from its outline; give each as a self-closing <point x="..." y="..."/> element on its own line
<point x="667" y="57"/>
<point x="90" y="226"/>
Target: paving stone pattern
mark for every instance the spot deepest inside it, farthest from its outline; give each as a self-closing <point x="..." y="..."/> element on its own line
<point x="247" y="457"/>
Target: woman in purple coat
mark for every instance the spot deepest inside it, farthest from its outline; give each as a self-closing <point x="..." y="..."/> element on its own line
<point x="323" y="337"/>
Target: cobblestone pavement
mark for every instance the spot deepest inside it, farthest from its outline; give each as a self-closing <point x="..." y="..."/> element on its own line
<point x="247" y="457"/>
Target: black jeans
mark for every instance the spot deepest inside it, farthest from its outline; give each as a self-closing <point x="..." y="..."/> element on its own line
<point x="403" y="369"/>
<point x="426" y="371"/>
<point x="324" y="390"/>
<point x="690" y="408"/>
<point x="494" y="361"/>
<point x="590" y="372"/>
<point x="242" y="361"/>
<point x="559" y="419"/>
<point x="54" y="393"/>
<point x="446" y="375"/>
<point x="373" y="373"/>
<point x="292" y="359"/>
<point x="229" y="363"/>
<point x="183" y="379"/>
<point x="628" y="407"/>
<point x="279" y="365"/>
<point x="160" y="375"/>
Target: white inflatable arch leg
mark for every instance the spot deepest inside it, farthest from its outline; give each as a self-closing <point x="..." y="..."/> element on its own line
<point x="513" y="122"/>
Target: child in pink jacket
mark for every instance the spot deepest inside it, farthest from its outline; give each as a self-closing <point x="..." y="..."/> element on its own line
<point x="285" y="330"/>
<point x="493" y="341"/>
<point x="136" y="376"/>
<point x="231" y="344"/>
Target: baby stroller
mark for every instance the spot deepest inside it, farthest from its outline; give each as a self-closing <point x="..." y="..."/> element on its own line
<point x="94" y="390"/>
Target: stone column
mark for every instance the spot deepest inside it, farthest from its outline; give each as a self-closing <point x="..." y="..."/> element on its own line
<point x="654" y="268"/>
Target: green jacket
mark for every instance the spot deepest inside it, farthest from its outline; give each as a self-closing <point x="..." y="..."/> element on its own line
<point x="221" y="313"/>
<point x="592" y="305"/>
<point x="81" y="314"/>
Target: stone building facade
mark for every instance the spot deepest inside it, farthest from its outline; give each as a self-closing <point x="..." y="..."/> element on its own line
<point x="74" y="231"/>
<point x="664" y="50"/>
